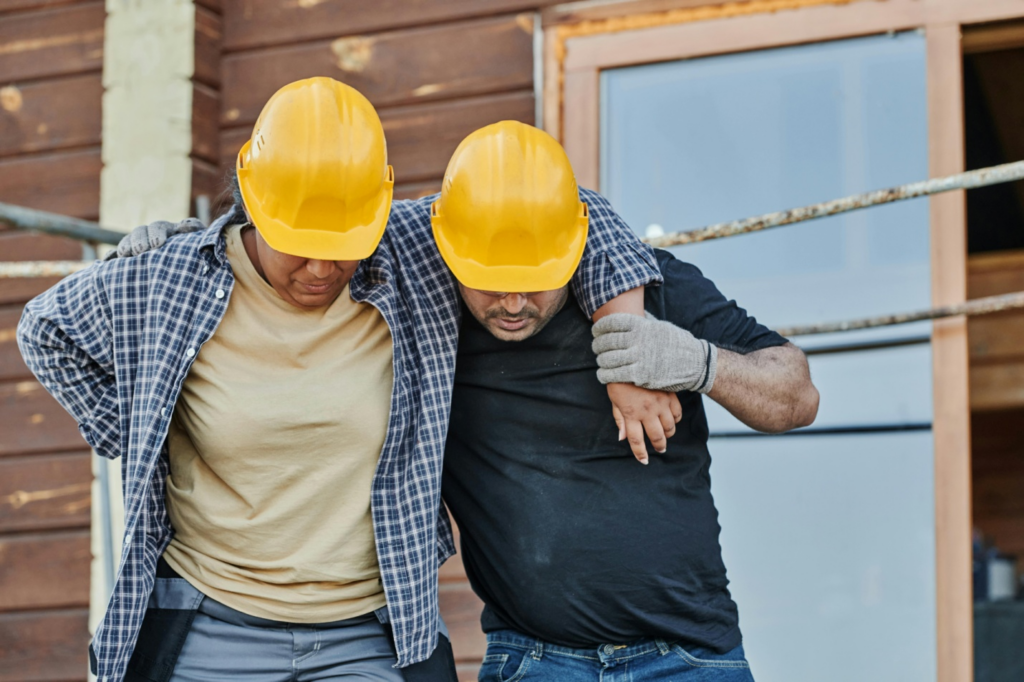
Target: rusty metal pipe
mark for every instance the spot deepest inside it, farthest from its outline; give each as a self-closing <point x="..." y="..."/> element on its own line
<point x="983" y="177"/>
<point x="42" y="268"/>
<point x="52" y="223"/>
<point x="978" y="306"/>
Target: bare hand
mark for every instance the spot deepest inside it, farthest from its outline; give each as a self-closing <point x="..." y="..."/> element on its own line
<point x="637" y="410"/>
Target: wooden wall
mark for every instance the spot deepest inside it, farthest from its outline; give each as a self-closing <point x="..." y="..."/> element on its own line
<point x="997" y="404"/>
<point x="207" y="178"/>
<point x="51" y="56"/>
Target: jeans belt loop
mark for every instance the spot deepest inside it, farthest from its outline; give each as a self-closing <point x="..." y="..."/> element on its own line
<point x="663" y="647"/>
<point x="538" y="650"/>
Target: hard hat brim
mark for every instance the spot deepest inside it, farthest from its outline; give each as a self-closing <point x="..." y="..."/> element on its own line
<point x="358" y="241"/>
<point x="552" y="274"/>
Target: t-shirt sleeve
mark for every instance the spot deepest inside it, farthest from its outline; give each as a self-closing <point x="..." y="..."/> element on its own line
<point x="690" y="300"/>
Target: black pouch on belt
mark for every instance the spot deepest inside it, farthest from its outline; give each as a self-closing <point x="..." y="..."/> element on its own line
<point x="169" y="615"/>
<point x="440" y="667"/>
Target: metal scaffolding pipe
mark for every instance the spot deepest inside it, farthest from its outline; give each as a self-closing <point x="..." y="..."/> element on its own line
<point x="978" y="306"/>
<point x="983" y="177"/>
<point x="51" y="223"/>
<point x="42" y="268"/>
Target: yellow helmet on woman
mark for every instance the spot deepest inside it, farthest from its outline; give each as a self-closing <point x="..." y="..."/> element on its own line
<point x="509" y="217"/>
<point x="315" y="176"/>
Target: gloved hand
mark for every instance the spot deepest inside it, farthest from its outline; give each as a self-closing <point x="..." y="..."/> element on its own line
<point x="649" y="353"/>
<point x="148" y="237"/>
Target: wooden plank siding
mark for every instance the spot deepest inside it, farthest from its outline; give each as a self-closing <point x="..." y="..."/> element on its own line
<point x="43" y="645"/>
<point x="207" y="177"/>
<point x="253" y="24"/>
<point x="996" y="351"/>
<point x="399" y="67"/>
<point x="997" y="403"/>
<point x="51" y="58"/>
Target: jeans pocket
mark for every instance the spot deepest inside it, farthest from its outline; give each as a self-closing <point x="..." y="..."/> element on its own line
<point x="704" y="658"/>
<point x="504" y="664"/>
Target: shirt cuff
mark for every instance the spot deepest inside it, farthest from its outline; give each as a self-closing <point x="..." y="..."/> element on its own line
<point x="604" y="275"/>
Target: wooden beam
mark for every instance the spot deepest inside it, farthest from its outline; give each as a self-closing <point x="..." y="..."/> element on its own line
<point x="951" y="424"/>
<point x="708" y="35"/>
<point x="66" y="182"/>
<point x="45" y="492"/>
<point x="50" y="114"/>
<point x="993" y="37"/>
<point x="582" y="128"/>
<point x="44" y="645"/>
<point x="49" y="570"/>
<point x="52" y="42"/>
<point x="32" y="421"/>
<point x="260" y="23"/>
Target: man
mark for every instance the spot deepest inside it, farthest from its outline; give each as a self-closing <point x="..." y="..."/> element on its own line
<point x="591" y="567"/>
<point x="279" y="397"/>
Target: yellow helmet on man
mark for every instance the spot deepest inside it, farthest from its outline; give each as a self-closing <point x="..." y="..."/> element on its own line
<point x="509" y="217"/>
<point x="314" y="176"/>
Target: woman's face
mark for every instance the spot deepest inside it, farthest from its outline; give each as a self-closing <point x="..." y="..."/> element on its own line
<point x="304" y="282"/>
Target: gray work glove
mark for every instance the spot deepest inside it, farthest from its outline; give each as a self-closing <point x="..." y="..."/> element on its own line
<point x="148" y="237"/>
<point x="649" y="353"/>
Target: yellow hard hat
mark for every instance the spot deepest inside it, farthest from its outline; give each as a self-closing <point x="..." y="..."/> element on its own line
<point x="315" y="176"/>
<point x="509" y="217"/>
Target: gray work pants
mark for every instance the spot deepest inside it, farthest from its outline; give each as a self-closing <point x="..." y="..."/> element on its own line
<point x="189" y="637"/>
<point x="224" y="644"/>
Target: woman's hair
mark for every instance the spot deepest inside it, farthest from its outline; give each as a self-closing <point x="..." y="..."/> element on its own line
<point x="233" y="189"/>
<point x="230" y="200"/>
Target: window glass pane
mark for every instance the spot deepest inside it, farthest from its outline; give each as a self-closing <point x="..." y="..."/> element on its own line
<point x="829" y="545"/>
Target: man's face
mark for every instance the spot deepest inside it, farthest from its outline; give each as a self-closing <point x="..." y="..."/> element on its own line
<point x="511" y="316"/>
<point x="303" y="282"/>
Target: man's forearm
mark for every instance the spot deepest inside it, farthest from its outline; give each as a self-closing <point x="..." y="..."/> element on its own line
<point x="769" y="390"/>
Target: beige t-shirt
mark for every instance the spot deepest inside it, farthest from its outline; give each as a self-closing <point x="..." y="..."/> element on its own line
<point x="273" y="447"/>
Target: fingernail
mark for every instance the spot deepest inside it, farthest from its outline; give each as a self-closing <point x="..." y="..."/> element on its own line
<point x="645" y="461"/>
<point x="661" y="452"/>
<point x="621" y="434"/>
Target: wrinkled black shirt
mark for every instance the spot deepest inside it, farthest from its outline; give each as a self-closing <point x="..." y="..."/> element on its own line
<point x="565" y="536"/>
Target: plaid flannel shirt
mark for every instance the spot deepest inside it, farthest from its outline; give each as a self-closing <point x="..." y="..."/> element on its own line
<point x="114" y="343"/>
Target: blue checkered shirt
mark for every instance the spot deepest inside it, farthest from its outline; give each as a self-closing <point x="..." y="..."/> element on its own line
<point x="114" y="343"/>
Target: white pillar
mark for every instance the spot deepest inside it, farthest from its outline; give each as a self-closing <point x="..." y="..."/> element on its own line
<point x="148" y="63"/>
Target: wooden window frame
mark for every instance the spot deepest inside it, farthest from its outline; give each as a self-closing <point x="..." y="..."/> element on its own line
<point x="580" y="44"/>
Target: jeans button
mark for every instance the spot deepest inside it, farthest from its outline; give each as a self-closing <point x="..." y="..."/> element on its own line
<point x="608" y="649"/>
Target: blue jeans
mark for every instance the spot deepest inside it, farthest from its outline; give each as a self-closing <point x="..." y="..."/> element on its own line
<point x="512" y="657"/>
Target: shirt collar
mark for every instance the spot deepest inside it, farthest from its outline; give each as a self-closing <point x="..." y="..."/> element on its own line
<point x="213" y="244"/>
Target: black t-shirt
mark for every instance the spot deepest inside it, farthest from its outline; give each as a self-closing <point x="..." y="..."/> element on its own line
<point x="565" y="536"/>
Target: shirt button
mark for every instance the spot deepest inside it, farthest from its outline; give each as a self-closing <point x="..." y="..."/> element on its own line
<point x="163" y="412"/>
<point x="219" y="293"/>
<point x="206" y="268"/>
<point x="191" y="352"/>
